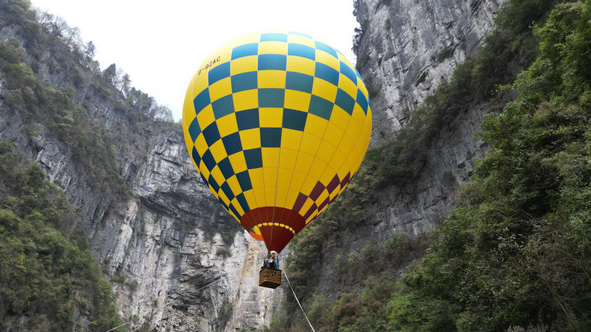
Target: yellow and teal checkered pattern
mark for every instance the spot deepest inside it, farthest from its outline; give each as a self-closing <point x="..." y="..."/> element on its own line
<point x="276" y="122"/>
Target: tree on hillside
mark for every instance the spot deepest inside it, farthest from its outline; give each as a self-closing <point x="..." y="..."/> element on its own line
<point x="90" y="50"/>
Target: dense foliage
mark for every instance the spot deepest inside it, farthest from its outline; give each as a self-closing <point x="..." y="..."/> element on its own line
<point x="54" y="107"/>
<point x="517" y="250"/>
<point x="47" y="274"/>
<point x="515" y="253"/>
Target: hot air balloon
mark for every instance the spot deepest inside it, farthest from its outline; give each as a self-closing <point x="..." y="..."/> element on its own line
<point x="276" y="124"/>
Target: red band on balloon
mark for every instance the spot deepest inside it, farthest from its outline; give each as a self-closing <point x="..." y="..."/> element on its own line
<point x="275" y="237"/>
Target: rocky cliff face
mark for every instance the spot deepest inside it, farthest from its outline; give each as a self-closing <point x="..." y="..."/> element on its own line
<point x="172" y="269"/>
<point x="173" y="266"/>
<point x="177" y="261"/>
<point x="161" y="248"/>
<point x="407" y="48"/>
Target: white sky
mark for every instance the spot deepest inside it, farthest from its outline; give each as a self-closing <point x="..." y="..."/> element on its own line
<point x="160" y="44"/>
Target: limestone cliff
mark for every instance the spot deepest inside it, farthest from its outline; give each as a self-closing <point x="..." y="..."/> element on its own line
<point x="176" y="259"/>
<point x="407" y="48"/>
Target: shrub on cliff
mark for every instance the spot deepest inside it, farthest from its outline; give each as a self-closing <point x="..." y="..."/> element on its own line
<point x="47" y="273"/>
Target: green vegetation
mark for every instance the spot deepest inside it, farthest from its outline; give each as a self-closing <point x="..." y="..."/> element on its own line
<point x="92" y="146"/>
<point x="517" y="250"/>
<point x="47" y="273"/>
<point x="515" y="254"/>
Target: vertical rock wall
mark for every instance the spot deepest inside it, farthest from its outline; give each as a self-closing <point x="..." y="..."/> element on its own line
<point x="408" y="47"/>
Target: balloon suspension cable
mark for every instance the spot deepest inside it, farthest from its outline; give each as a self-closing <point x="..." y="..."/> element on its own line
<point x="116" y="327"/>
<point x="298" y="301"/>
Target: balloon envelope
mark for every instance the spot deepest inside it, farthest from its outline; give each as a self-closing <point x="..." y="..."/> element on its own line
<point x="276" y="124"/>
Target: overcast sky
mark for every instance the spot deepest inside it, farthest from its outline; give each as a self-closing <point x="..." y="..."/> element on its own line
<point x="160" y="44"/>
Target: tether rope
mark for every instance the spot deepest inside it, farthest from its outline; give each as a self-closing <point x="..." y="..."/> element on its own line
<point x="113" y="329"/>
<point x="298" y="301"/>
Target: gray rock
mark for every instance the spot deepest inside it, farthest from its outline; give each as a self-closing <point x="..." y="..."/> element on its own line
<point x="409" y="47"/>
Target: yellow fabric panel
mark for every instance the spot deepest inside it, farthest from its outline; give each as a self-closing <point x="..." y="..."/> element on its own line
<point x="290" y="139"/>
<point x="362" y="88"/>
<point x="204" y="170"/>
<point x="199" y="84"/>
<point x="284" y="178"/>
<point x="322" y="197"/>
<point x="227" y="125"/>
<point x="256" y="177"/>
<point x="325" y="151"/>
<point x="306" y="205"/>
<point x="342" y="173"/>
<point x="301" y="65"/>
<point x="271" y="79"/>
<point x="251" y="138"/>
<point x="346" y="144"/>
<point x="346" y="85"/>
<point x="327" y="59"/>
<point x="333" y="134"/>
<point x="345" y="60"/>
<point x="304" y="162"/>
<point x="218" y="151"/>
<point x="224" y="198"/>
<point x="363" y="142"/>
<point x="327" y="175"/>
<point x="301" y="40"/>
<point x="251" y="199"/>
<point x="270" y="157"/>
<point x="310" y="144"/>
<point x="308" y="185"/>
<point x="234" y="185"/>
<point x="292" y="196"/>
<point x="220" y="89"/>
<point x="271" y="117"/>
<point x="340" y="118"/>
<point x="354" y="130"/>
<point x="201" y="144"/>
<point x="273" y="47"/>
<point x="297" y="180"/>
<point x="358" y="116"/>
<point x="287" y="158"/>
<point x="238" y="207"/>
<point x="338" y="161"/>
<point x="352" y="158"/>
<point x="244" y="65"/>
<point x="324" y="89"/>
<point x="297" y="100"/>
<point x="206" y="117"/>
<point x="270" y="174"/>
<point x="245" y="100"/>
<point x="281" y="197"/>
<point x="238" y="162"/>
<point x="270" y="196"/>
<point x="260" y="196"/>
<point x="317" y="168"/>
<point x="217" y="175"/>
<point x="315" y="125"/>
